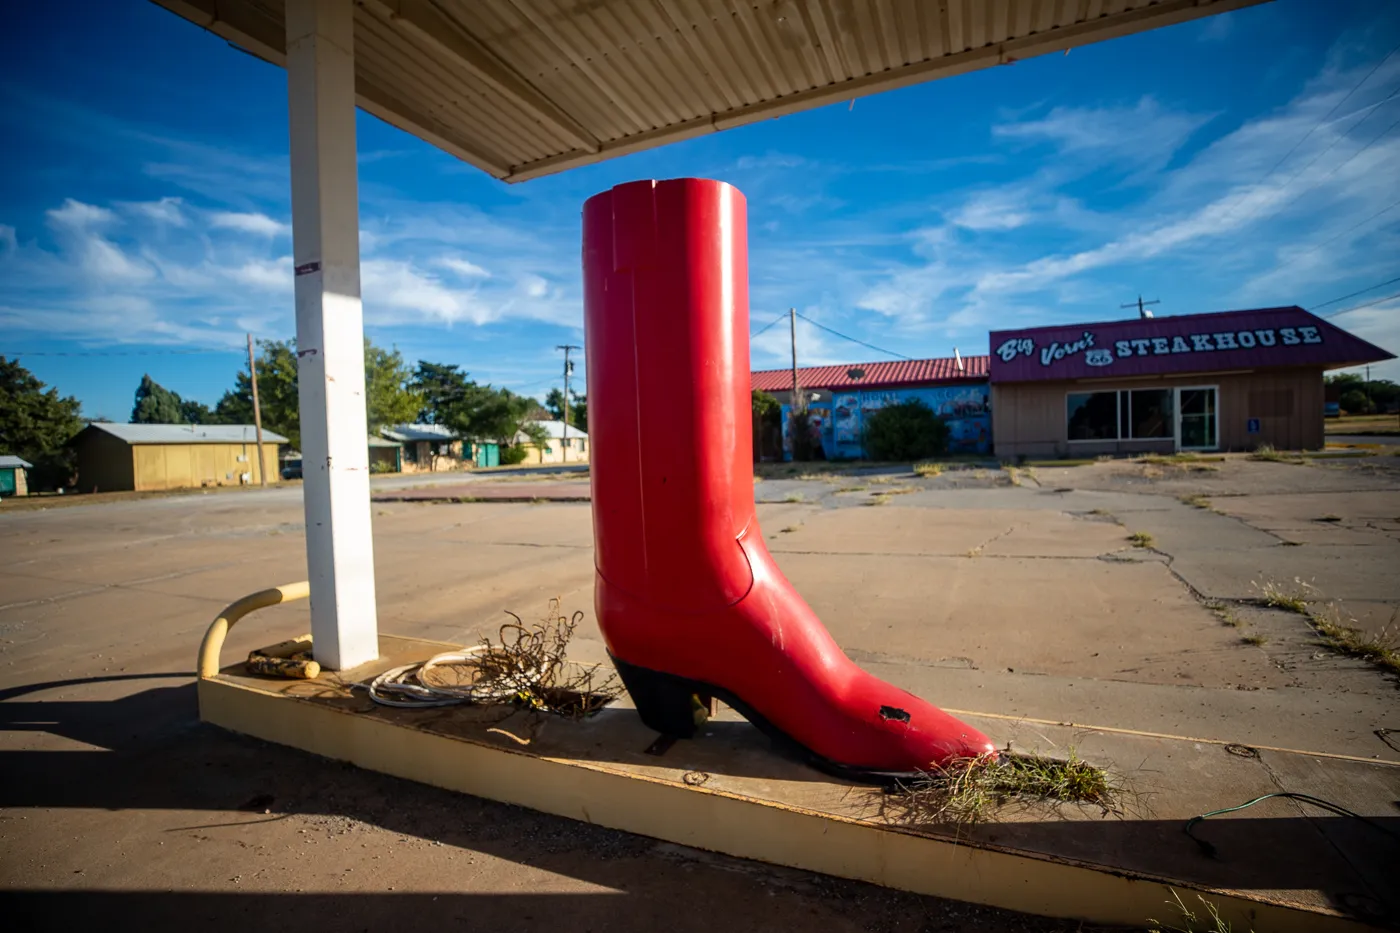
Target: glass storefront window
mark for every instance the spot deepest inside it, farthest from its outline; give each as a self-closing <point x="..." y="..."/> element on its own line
<point x="1093" y="416"/>
<point x="1127" y="414"/>
<point x="1150" y="414"/>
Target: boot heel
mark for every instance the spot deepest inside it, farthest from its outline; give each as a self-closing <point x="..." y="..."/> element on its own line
<point x="671" y="705"/>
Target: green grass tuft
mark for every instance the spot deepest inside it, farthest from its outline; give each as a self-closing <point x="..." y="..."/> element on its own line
<point x="1290" y="598"/>
<point x="970" y="790"/>
<point x="1267" y="453"/>
<point x="1141" y="539"/>
<point x="1381" y="650"/>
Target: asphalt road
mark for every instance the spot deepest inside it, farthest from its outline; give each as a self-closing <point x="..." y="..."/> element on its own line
<point x="1389" y="440"/>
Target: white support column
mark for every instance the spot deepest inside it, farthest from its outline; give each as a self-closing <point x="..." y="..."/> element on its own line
<point x="330" y="331"/>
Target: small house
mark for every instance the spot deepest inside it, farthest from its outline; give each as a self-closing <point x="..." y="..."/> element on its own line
<point x="13" y="479"/>
<point x="562" y="444"/>
<point x="172" y="456"/>
<point x="427" y="448"/>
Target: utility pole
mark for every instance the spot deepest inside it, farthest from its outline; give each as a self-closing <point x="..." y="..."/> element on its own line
<point x="1141" y="306"/>
<point x="257" y="411"/>
<point x="796" y="389"/>
<point x="568" y="371"/>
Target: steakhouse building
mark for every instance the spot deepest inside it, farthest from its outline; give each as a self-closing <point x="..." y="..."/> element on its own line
<point x="1235" y="380"/>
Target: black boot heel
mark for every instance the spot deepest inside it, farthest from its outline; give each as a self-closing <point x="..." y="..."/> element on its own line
<point x="671" y="705"/>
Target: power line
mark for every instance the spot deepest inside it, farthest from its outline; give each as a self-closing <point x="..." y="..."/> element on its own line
<point x="1354" y="294"/>
<point x="852" y="339"/>
<point x="1359" y="307"/>
<point x="1340" y="136"/>
<point x="1359" y="223"/>
<point x="1335" y="169"/>
<point x="768" y="325"/>
<point x="1318" y="125"/>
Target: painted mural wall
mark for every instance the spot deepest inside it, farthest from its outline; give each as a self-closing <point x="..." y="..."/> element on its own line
<point x="838" y="424"/>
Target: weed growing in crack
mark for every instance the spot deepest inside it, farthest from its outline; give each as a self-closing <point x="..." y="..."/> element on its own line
<point x="968" y="791"/>
<point x="1290" y="598"/>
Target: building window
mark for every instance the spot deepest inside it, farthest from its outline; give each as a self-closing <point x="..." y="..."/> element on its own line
<point x="1130" y="414"/>
<point x="1093" y="416"/>
<point x="1150" y="414"/>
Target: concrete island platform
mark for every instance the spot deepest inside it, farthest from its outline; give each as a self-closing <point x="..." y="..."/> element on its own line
<point x="1278" y="866"/>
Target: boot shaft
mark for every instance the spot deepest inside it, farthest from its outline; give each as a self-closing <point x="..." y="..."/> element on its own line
<point x="666" y="319"/>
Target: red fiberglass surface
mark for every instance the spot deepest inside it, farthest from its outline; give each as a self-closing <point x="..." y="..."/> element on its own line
<point x="686" y="588"/>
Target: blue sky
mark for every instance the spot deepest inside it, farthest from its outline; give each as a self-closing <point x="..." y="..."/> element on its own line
<point x="144" y="202"/>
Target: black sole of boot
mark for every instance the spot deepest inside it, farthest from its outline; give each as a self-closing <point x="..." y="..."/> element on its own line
<point x="678" y="707"/>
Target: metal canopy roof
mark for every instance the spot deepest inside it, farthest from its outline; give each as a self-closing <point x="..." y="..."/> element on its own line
<point x="523" y="88"/>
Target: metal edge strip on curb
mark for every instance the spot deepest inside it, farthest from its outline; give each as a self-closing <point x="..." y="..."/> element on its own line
<point x="728" y="823"/>
<point x="1117" y="730"/>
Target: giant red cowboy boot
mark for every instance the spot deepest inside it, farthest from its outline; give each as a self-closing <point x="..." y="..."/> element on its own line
<point x="689" y="600"/>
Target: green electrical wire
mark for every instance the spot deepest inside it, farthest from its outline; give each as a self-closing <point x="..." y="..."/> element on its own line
<point x="1318" y="802"/>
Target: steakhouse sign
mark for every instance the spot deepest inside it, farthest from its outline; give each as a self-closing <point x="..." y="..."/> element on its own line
<point x="1194" y="343"/>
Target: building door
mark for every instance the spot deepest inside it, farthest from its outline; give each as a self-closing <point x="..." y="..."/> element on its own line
<point x="7" y="482"/>
<point x="1197" y="419"/>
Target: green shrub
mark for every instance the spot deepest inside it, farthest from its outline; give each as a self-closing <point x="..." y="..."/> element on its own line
<point x="906" y="431"/>
<point x="1355" y="402"/>
<point x="513" y="454"/>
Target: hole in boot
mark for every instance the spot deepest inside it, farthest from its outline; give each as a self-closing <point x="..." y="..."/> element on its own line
<point x="895" y="713"/>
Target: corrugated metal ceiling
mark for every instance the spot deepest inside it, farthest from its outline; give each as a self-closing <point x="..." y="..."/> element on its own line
<point x="522" y="88"/>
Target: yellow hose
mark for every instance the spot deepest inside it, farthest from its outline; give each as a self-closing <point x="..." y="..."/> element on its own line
<point x="214" y="638"/>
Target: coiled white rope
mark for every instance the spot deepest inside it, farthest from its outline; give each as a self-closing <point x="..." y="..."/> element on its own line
<point x="406" y="688"/>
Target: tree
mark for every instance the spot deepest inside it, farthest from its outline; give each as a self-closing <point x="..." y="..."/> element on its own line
<point x="277" y="392"/>
<point x="156" y="404"/>
<point x="766" y="406"/>
<point x="389" y="399"/>
<point x="442" y="389"/>
<point x="1355" y="402"/>
<point x="906" y="431"/>
<point x="578" y="407"/>
<point x="475" y="411"/>
<point x="1382" y="392"/>
<point x="196" y="412"/>
<point x="36" y="424"/>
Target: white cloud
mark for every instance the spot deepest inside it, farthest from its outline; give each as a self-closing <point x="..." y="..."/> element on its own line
<point x="772" y="349"/>
<point x="392" y="285"/>
<point x="75" y="215"/>
<point x="1219" y="222"/>
<point x="1379" y="324"/>
<point x="992" y="210"/>
<point x="1146" y="134"/>
<point x="165" y="211"/>
<point x="533" y="285"/>
<point x="269" y="274"/>
<point x="252" y="223"/>
<point x="105" y="261"/>
<point x="463" y="267"/>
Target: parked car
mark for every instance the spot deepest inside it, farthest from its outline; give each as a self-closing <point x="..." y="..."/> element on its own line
<point x="291" y="469"/>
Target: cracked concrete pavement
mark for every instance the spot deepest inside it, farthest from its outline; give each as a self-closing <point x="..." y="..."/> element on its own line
<point x="1016" y="594"/>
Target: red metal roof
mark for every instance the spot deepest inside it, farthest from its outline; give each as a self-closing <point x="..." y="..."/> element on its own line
<point x="874" y="375"/>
